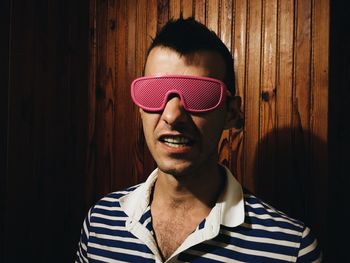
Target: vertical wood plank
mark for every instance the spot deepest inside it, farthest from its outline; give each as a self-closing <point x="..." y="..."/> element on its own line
<point x="200" y="10"/>
<point x="225" y="23"/>
<point x="319" y="113"/>
<point x="212" y="15"/>
<point x="110" y="91"/>
<point x="91" y="139"/>
<point x="104" y="104"/>
<point x="141" y="49"/>
<point x="212" y="22"/>
<point x="239" y="56"/>
<point x="131" y="40"/>
<point x="163" y="13"/>
<point x="302" y="65"/>
<point x="122" y="142"/>
<point x="133" y="126"/>
<point x="239" y="51"/>
<point x="225" y="33"/>
<point x="285" y="63"/>
<point x="151" y="20"/>
<point x="284" y="106"/>
<point x="268" y="67"/>
<point x="141" y="36"/>
<point x="149" y="163"/>
<point x="266" y="176"/>
<point x="174" y="9"/>
<point x="187" y="8"/>
<point x="300" y="126"/>
<point x="252" y="91"/>
<point x="320" y="45"/>
<point x="126" y="144"/>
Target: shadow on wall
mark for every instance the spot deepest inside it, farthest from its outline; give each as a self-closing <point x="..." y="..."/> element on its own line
<point x="291" y="173"/>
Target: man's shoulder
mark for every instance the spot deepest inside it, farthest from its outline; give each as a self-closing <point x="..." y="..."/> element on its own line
<point x="266" y="226"/>
<point x="261" y="215"/>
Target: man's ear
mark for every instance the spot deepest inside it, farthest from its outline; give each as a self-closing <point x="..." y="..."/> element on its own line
<point x="140" y="111"/>
<point x="234" y="118"/>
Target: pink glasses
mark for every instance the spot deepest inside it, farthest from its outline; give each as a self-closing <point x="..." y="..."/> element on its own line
<point x="198" y="94"/>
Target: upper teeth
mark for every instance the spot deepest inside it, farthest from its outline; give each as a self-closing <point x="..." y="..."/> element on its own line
<point x="176" y="140"/>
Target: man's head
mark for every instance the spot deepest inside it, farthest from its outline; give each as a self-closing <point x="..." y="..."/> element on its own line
<point x="183" y="142"/>
<point x="188" y="37"/>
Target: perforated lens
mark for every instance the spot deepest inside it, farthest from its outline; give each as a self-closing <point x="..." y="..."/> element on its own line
<point x="198" y="94"/>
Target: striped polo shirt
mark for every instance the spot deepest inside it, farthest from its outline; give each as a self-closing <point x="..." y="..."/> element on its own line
<point x="239" y="228"/>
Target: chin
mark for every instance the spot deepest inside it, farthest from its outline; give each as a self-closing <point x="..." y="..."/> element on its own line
<point x="176" y="170"/>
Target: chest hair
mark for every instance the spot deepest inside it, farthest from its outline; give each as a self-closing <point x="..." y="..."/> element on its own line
<point x="171" y="232"/>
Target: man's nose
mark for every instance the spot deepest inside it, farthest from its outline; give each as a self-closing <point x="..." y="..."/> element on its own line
<point x="174" y="111"/>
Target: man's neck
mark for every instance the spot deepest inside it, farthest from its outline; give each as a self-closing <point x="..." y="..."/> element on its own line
<point x="197" y="191"/>
<point x="179" y="204"/>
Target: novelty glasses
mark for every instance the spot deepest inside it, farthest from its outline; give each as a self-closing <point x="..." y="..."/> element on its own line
<point x="197" y="94"/>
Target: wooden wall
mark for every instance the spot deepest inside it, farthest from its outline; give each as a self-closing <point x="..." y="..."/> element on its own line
<point x="44" y="65"/>
<point x="281" y="64"/>
<point x="69" y="132"/>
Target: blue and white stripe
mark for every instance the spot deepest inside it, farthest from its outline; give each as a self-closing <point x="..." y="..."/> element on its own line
<point x="266" y="235"/>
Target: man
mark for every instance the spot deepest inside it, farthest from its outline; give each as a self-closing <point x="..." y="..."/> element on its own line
<point x="190" y="209"/>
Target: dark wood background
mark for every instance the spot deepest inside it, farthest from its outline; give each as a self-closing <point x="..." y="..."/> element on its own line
<point x="44" y="79"/>
<point x="70" y="134"/>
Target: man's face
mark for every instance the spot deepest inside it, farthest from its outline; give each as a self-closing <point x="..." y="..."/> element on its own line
<point x="180" y="142"/>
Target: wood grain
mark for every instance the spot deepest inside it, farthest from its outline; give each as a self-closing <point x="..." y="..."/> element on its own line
<point x="151" y="22"/>
<point x="140" y="59"/>
<point x="267" y="145"/>
<point x="301" y="105"/>
<point x="252" y="91"/>
<point x="174" y="9"/>
<point x="319" y="114"/>
<point x="187" y="8"/>
<point x="126" y="33"/>
<point x="200" y="10"/>
<point x="104" y="103"/>
<point x="302" y="67"/>
<point x="225" y="33"/>
<point x="212" y="15"/>
<point x="149" y="164"/>
<point x="240" y="42"/>
<point x="239" y="55"/>
<point x="131" y="150"/>
<point x="162" y="13"/>
<point x="225" y="23"/>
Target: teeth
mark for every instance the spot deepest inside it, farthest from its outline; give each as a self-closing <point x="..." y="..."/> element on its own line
<point x="174" y="145"/>
<point x="177" y="141"/>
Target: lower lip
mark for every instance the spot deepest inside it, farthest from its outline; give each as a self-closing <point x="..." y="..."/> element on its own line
<point x="177" y="150"/>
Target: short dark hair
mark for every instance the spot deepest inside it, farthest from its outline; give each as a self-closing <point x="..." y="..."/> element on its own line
<point x="188" y="36"/>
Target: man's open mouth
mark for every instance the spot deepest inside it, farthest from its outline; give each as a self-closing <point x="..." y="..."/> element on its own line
<point x="176" y="141"/>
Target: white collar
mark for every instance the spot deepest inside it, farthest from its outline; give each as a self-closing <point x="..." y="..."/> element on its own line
<point x="229" y="209"/>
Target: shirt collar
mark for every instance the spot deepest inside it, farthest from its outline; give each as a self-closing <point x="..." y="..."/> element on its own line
<point x="229" y="207"/>
<point x="232" y="202"/>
